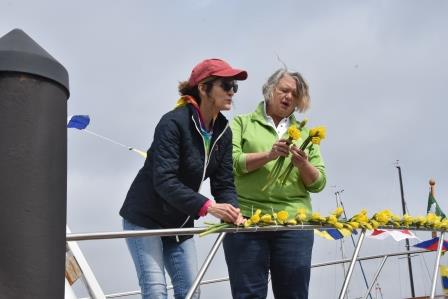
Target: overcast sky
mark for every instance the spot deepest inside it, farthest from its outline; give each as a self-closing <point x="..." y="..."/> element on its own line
<point x="377" y="72"/>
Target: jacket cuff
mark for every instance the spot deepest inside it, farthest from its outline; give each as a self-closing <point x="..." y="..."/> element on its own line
<point x="318" y="184"/>
<point x="204" y="208"/>
<point x="242" y="163"/>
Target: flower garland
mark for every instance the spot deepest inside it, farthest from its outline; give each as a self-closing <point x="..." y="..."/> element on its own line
<point x="360" y="220"/>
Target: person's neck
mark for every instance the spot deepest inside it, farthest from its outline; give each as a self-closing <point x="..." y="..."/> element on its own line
<point x="208" y="113"/>
<point x="275" y="118"/>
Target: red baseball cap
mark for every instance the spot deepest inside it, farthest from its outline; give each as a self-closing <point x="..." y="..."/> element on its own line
<point x="214" y="67"/>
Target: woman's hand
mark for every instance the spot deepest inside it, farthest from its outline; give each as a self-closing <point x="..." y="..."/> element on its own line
<point x="226" y="212"/>
<point x="299" y="157"/>
<point x="308" y="173"/>
<point x="279" y="148"/>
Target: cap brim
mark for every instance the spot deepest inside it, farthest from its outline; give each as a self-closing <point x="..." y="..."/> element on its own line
<point x="232" y="73"/>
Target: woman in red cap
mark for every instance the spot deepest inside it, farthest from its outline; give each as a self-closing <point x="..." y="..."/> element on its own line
<point x="191" y="143"/>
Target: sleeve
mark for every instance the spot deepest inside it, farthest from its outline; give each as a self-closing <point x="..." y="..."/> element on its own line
<point x="239" y="158"/>
<point x="221" y="182"/>
<point x="317" y="161"/>
<point x="166" y="158"/>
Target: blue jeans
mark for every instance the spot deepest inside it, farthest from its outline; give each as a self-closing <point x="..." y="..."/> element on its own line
<point x="287" y="255"/>
<point x="151" y="255"/>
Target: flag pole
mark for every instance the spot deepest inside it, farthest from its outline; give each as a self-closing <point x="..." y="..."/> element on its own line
<point x="432" y="182"/>
<point x="403" y="204"/>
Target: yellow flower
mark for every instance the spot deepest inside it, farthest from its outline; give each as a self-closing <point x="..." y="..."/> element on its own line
<point x="282" y="216"/>
<point x="255" y="218"/>
<point x="293" y="133"/>
<point x="338" y="212"/>
<point x="320" y="132"/>
<point x="383" y="217"/>
<point x="420" y="220"/>
<point x="375" y="224"/>
<point x="332" y="219"/>
<point x="407" y="220"/>
<point x="301" y="215"/>
<point x="361" y="217"/>
<point x="353" y="224"/>
<point x="338" y="225"/>
<point x="247" y="223"/>
<point x="266" y="218"/>
<point x="315" y="217"/>
<point x="291" y="222"/>
<point x="315" y="140"/>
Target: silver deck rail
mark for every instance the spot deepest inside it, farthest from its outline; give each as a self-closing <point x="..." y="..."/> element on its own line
<point x="210" y="256"/>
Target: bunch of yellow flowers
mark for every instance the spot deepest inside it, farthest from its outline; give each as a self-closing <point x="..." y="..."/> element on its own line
<point x="360" y="220"/>
<point x="293" y="135"/>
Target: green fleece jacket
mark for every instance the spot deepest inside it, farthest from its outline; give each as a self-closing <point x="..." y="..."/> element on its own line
<point x="251" y="134"/>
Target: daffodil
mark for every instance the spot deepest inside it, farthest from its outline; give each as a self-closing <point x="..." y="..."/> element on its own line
<point x="333" y="220"/>
<point x="301" y="215"/>
<point x="382" y="217"/>
<point x="282" y="216"/>
<point x="407" y="220"/>
<point x="316" y="217"/>
<point x="291" y="222"/>
<point x="266" y="218"/>
<point x="315" y="136"/>
<point x="293" y="133"/>
<point x="255" y="218"/>
<point x="338" y="212"/>
<point x="275" y="174"/>
<point x="315" y="140"/>
<point x="247" y="223"/>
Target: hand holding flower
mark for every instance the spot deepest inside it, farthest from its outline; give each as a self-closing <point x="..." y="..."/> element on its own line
<point x="225" y="212"/>
<point x="279" y="148"/>
<point x="299" y="157"/>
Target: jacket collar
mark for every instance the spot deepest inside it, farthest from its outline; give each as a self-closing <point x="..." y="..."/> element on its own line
<point x="219" y="124"/>
<point x="260" y="114"/>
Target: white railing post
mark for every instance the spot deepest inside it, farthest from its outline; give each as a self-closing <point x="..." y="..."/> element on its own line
<point x="352" y="264"/>
<point x="436" y="266"/>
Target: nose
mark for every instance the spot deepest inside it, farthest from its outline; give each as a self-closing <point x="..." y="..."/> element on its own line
<point x="289" y="95"/>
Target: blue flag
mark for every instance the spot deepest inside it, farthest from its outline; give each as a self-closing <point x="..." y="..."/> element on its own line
<point x="78" y="121"/>
<point x="432" y="244"/>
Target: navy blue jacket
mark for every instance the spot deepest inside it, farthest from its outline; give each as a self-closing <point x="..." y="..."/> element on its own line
<point x="165" y="190"/>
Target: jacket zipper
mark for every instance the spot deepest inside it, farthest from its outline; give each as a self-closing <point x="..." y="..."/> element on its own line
<point x="206" y="161"/>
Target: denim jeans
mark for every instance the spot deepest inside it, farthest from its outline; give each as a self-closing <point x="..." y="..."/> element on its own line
<point x="287" y="255"/>
<point x="152" y="255"/>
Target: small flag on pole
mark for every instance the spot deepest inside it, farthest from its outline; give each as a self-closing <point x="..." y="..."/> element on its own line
<point x="433" y="206"/>
<point x="333" y="233"/>
<point x="81" y="122"/>
<point x="432" y="244"/>
<point x="397" y="235"/>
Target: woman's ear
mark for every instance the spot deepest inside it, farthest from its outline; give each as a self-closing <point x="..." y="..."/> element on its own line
<point x="202" y="89"/>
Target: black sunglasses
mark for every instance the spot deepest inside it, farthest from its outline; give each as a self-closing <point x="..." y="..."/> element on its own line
<point x="228" y="85"/>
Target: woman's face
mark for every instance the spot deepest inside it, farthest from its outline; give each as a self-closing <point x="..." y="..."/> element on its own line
<point x="222" y="92"/>
<point x="283" y="101"/>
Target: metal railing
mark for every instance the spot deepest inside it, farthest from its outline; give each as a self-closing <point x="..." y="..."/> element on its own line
<point x="210" y="256"/>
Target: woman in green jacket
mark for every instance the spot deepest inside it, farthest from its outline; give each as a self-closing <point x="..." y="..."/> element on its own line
<point x="259" y="138"/>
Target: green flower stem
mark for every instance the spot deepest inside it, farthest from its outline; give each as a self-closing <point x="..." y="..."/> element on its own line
<point x="285" y="175"/>
<point x="305" y="143"/>
<point x="214" y="228"/>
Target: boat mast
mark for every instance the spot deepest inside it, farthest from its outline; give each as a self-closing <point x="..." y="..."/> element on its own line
<point x="403" y="204"/>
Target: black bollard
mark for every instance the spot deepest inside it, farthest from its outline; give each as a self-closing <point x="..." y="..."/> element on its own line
<point x="33" y="169"/>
